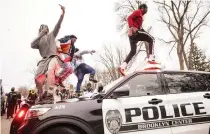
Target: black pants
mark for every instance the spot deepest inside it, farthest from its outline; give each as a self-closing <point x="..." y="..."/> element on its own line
<point x="81" y="70"/>
<point x="140" y="35"/>
<point x="10" y="109"/>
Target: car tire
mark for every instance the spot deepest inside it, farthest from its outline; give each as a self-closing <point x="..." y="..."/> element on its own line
<point x="62" y="130"/>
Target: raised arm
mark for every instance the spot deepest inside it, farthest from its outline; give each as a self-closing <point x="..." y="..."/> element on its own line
<point x="80" y="53"/>
<point x="58" y="25"/>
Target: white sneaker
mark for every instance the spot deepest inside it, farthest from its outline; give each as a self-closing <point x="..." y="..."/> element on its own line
<point x="122" y="68"/>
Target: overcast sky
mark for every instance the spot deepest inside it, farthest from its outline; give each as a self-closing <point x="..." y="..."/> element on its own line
<point x="93" y="21"/>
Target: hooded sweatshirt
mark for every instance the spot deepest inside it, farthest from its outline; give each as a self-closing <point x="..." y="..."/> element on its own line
<point x="46" y="45"/>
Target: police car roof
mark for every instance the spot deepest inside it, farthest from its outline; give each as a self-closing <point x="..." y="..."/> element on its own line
<point x="113" y="83"/>
<point x="175" y="71"/>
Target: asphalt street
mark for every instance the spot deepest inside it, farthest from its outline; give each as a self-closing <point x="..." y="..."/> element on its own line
<point x="5" y="125"/>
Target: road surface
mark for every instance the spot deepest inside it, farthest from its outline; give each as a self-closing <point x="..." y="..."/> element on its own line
<point x="5" y="125"/>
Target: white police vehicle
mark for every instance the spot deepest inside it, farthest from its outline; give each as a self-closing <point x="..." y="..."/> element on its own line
<point x="144" y="102"/>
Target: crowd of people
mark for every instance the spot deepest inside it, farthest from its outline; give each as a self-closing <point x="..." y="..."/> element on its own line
<point x="12" y="101"/>
<point x="87" y="92"/>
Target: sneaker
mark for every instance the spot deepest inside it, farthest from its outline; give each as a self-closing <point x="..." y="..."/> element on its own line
<point x="151" y="60"/>
<point x="121" y="71"/>
<point x="58" y="82"/>
<point x="92" y="79"/>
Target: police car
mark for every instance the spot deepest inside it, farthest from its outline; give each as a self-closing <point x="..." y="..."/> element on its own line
<point x="144" y="102"/>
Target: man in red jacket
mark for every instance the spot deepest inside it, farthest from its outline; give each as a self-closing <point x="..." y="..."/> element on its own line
<point x="136" y="33"/>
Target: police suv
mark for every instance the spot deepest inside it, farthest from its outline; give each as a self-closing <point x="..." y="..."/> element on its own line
<point x="144" y="102"/>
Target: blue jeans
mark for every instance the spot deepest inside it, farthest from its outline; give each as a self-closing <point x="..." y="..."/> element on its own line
<point x="81" y="71"/>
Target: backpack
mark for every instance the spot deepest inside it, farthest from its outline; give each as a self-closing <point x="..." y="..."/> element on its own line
<point x="12" y="97"/>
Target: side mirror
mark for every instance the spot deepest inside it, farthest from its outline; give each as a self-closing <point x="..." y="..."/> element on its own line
<point x="99" y="100"/>
<point x="99" y="97"/>
<point x="120" y="92"/>
<point x="124" y="91"/>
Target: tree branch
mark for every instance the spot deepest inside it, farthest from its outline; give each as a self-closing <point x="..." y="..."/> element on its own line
<point x="174" y="14"/>
<point x="163" y="4"/>
<point x="199" y="23"/>
<point x="123" y="7"/>
<point x="185" y="10"/>
<point x="131" y="4"/>
<point x="167" y="42"/>
<point x="172" y="48"/>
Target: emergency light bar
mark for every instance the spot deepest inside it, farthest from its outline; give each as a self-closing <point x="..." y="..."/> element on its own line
<point x="153" y="66"/>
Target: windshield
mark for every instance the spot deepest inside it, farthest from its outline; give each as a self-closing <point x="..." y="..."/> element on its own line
<point x="110" y="85"/>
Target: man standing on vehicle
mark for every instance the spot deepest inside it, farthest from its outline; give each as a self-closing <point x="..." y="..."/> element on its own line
<point x="48" y="66"/>
<point x="65" y="52"/>
<point x="81" y="68"/>
<point x="136" y="33"/>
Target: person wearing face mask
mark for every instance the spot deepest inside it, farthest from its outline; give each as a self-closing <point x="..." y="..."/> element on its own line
<point x="48" y="66"/>
<point x="66" y="50"/>
<point x="136" y="33"/>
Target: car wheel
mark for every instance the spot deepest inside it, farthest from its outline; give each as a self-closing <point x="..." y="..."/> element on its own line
<point x="62" y="130"/>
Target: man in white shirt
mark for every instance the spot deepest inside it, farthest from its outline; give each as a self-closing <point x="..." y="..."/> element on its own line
<point x="81" y="68"/>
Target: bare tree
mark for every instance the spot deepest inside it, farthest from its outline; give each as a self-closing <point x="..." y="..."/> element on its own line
<point x="32" y="71"/>
<point x="124" y="8"/>
<point x="111" y="58"/>
<point x="23" y="91"/>
<point x="103" y="76"/>
<point x="184" y="22"/>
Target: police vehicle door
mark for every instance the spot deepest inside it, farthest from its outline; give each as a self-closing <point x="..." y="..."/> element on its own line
<point x="137" y="106"/>
<point x="189" y="101"/>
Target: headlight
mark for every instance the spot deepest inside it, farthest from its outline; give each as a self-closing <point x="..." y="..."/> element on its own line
<point x="36" y="112"/>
